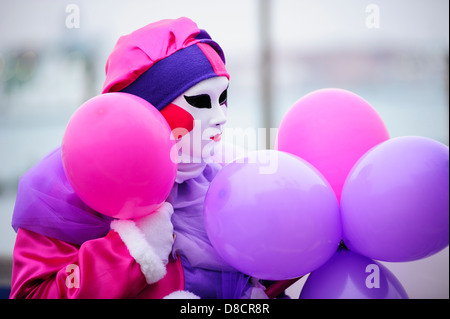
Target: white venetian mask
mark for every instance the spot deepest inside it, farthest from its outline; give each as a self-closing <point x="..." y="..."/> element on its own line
<point x="197" y="118"/>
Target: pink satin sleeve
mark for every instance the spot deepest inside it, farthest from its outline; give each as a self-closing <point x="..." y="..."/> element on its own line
<point x="45" y="267"/>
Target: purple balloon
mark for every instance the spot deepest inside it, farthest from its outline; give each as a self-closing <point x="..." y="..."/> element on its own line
<point x="395" y="201"/>
<point x="276" y="219"/>
<point x="348" y="275"/>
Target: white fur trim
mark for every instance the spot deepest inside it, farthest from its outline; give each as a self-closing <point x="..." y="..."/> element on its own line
<point x="181" y="294"/>
<point x="152" y="266"/>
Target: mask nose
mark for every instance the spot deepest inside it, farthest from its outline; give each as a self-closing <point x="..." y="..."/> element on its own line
<point x="218" y="118"/>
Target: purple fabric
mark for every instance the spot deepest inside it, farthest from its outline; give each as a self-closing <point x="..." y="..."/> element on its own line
<point x="213" y="284"/>
<point x="47" y="204"/>
<point x="170" y="77"/>
<point x="206" y="273"/>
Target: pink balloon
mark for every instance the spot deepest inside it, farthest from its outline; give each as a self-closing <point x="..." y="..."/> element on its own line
<point x="116" y="155"/>
<point x="331" y="129"/>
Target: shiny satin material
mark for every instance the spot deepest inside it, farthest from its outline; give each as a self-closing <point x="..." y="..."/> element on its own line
<point x="45" y="267"/>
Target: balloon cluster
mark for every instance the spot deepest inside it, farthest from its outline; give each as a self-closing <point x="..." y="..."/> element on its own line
<point x="339" y="178"/>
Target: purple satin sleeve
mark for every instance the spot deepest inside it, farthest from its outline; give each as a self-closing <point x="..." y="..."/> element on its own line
<point x="47" y="204"/>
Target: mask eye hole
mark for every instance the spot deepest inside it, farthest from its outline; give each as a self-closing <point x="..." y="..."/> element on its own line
<point x="202" y="101"/>
<point x="223" y="97"/>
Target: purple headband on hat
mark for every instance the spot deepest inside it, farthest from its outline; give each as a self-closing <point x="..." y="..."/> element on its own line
<point x="170" y="77"/>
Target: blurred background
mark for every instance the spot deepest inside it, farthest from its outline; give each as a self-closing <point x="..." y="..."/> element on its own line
<point x="392" y="53"/>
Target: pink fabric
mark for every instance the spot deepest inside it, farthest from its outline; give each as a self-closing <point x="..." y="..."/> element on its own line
<point x="213" y="58"/>
<point x="47" y="268"/>
<point x="152" y="43"/>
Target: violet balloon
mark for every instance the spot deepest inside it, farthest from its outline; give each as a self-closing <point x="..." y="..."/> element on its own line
<point x="348" y="275"/>
<point x="272" y="216"/>
<point x="395" y="202"/>
<point x="116" y="152"/>
<point x="331" y="129"/>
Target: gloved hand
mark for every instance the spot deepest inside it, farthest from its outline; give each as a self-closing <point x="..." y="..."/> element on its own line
<point x="158" y="230"/>
<point x="149" y="240"/>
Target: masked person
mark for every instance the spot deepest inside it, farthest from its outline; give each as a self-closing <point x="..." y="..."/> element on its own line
<point x="64" y="249"/>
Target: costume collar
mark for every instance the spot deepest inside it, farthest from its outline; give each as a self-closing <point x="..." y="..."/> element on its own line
<point x="188" y="171"/>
